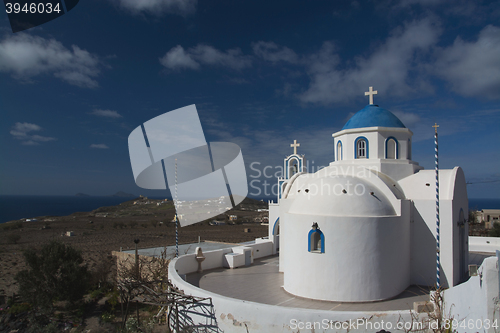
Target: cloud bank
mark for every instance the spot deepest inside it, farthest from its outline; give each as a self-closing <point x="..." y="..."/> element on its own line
<point x="106" y="113"/>
<point x="178" y="58"/>
<point x="99" y="146"/>
<point x="392" y="67"/>
<point x="158" y="7"/>
<point x="27" y="56"/>
<point x="23" y="132"/>
<point x="473" y="68"/>
<point x="408" y="62"/>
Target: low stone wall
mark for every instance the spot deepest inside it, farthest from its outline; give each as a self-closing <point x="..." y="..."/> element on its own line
<point x="149" y="267"/>
<point x="484" y="244"/>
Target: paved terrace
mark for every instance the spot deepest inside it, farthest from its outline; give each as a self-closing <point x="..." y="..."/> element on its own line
<point x="262" y="283"/>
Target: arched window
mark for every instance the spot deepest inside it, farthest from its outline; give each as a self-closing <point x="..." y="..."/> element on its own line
<point x="361" y="147"/>
<point x="276" y="227"/>
<point x="292" y="166"/>
<point x="339" y="151"/>
<point x="316" y="240"/>
<point x="391" y="148"/>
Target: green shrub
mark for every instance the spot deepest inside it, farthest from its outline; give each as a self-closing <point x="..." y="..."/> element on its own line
<point x="113" y="299"/>
<point x="107" y="317"/>
<point x="19" y="308"/>
<point x="495" y="231"/>
<point x="53" y="273"/>
<point x="95" y="294"/>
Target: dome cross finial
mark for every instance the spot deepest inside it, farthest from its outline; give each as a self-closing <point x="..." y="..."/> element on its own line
<point x="294" y="145"/>
<point x="370" y="93"/>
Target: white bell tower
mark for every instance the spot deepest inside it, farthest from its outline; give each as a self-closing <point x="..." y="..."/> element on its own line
<point x="293" y="164"/>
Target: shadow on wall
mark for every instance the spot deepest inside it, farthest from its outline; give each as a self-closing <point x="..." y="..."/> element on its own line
<point x="423" y="254"/>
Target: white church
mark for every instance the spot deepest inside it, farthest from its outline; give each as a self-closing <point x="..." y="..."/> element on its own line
<point x="364" y="228"/>
<point x="361" y="230"/>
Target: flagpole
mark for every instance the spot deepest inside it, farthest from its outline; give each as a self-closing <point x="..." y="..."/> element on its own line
<point x="176" y="217"/>
<point x="438" y="284"/>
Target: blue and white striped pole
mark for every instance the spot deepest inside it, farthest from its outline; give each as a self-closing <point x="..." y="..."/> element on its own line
<point x="437" y="204"/>
<point x="176" y="218"/>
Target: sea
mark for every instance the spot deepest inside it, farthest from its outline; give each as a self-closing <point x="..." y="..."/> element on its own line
<point x="15" y="207"/>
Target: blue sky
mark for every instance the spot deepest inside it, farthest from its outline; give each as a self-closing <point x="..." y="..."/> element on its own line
<point x="261" y="73"/>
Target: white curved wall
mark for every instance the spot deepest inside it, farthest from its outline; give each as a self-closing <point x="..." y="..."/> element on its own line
<point x="325" y="196"/>
<point x="365" y="259"/>
<point x="235" y="315"/>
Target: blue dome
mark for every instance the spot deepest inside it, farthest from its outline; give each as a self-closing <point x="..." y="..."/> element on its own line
<point x="373" y="116"/>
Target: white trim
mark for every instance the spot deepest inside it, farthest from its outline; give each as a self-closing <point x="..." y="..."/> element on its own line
<point x="372" y="129"/>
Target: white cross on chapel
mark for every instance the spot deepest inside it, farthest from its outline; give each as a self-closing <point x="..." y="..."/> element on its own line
<point x="370" y="93"/>
<point x="294" y="145"/>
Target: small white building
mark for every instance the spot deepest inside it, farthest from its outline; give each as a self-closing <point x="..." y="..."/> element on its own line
<point x="364" y="228"/>
<point x="489" y="217"/>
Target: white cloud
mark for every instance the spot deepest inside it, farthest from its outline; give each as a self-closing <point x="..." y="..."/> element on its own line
<point x="26" y="56"/>
<point x="392" y="68"/>
<point x="21" y="131"/>
<point x="178" y="58"/>
<point x="156" y="7"/>
<point x="473" y="68"/>
<point x="270" y="51"/>
<point x="99" y="146"/>
<point x="106" y="113"/>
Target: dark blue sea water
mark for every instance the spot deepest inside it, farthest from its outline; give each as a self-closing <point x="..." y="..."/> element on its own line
<point x="17" y="207"/>
<point x="479" y="204"/>
<point x="25" y="206"/>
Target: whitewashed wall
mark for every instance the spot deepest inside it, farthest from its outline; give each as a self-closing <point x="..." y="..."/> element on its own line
<point x="215" y="259"/>
<point x="474" y="304"/>
<point x="376" y="137"/>
<point x="242" y="316"/>
<point x="274" y="211"/>
<point x="453" y="197"/>
<point x="484" y="244"/>
<point x="365" y="259"/>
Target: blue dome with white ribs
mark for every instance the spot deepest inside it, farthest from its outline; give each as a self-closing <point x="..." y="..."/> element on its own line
<point x="373" y="116"/>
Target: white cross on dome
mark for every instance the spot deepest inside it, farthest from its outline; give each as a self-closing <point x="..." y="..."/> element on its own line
<point x="370" y="93"/>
